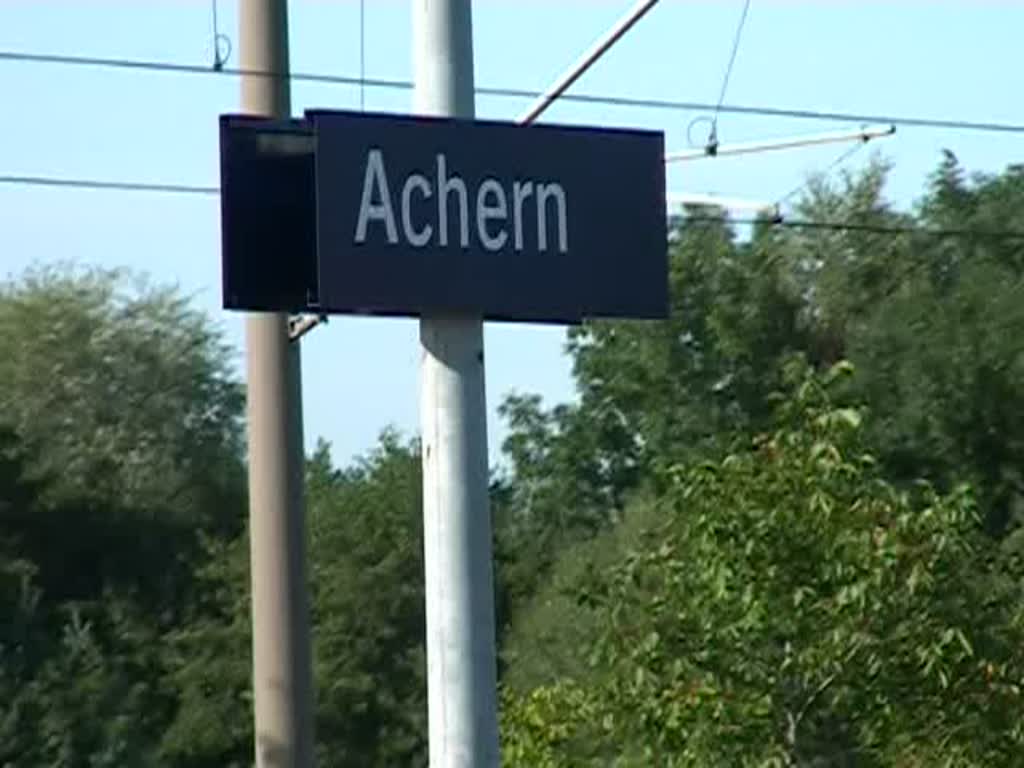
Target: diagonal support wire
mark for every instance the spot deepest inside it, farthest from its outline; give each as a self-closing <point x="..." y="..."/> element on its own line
<point x="589" y="57"/>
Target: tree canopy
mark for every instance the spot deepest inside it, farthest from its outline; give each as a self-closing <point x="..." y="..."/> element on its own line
<point x="786" y="605"/>
<point x="781" y="527"/>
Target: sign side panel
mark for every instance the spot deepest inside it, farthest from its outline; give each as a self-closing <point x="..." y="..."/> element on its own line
<point x="267" y="215"/>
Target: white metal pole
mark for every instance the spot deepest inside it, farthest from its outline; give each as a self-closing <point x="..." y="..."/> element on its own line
<point x="282" y="674"/>
<point x="592" y="54"/>
<point x="461" y="656"/>
<point x="864" y="134"/>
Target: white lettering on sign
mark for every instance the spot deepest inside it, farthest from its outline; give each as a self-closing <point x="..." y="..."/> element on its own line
<point x="445" y="187"/>
<point x="492" y="204"/>
<point x="520" y="191"/>
<point x="376" y="176"/>
<point x="497" y="211"/>
<point x="544" y="191"/>
<point x="421" y="238"/>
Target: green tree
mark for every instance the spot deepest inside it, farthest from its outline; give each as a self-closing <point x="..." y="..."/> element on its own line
<point x="366" y="575"/>
<point x="367" y="560"/>
<point x="208" y="666"/>
<point x="930" y="321"/>
<point x="676" y="386"/>
<point x="556" y="490"/>
<point x="788" y="606"/>
<point x="122" y="391"/>
<point x="648" y="393"/>
<point x="939" y="359"/>
<point x="79" y="669"/>
<point x="121" y="424"/>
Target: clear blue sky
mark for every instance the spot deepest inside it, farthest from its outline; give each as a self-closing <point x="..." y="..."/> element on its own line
<point x="937" y="59"/>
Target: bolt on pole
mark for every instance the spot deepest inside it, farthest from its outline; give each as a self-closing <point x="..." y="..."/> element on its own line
<point x="282" y="667"/>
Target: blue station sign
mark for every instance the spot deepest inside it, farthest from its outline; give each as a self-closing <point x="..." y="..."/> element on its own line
<point x="349" y="212"/>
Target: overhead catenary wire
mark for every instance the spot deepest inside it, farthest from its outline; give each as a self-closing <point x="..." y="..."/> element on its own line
<point x="99" y="185"/>
<point x="169" y="67"/>
<point x="851" y="226"/>
<point x="628" y="102"/>
<point x="712" y="144"/>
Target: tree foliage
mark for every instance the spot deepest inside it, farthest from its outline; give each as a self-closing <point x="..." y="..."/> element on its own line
<point x="713" y="556"/>
<point x="122" y="391"/>
<point x="786" y="605"/>
<point x="121" y="444"/>
<point x="366" y="562"/>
